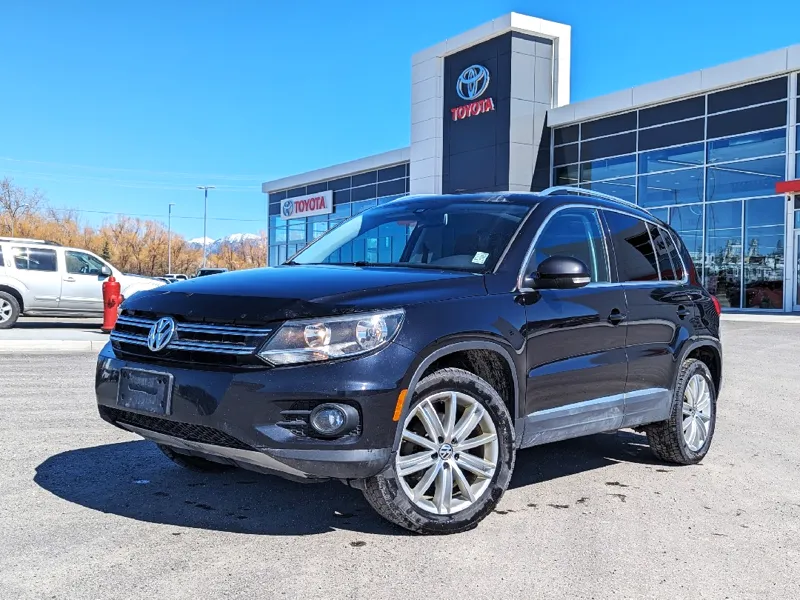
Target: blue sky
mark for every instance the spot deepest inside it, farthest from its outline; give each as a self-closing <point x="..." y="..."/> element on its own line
<point x="126" y="107"/>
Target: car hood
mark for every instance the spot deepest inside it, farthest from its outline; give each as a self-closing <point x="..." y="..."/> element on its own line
<point x="257" y="296"/>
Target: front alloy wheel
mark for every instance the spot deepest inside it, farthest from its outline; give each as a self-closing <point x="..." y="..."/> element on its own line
<point x="454" y="460"/>
<point x="446" y="464"/>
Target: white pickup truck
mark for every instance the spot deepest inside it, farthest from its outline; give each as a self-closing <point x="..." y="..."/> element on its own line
<point x="45" y="279"/>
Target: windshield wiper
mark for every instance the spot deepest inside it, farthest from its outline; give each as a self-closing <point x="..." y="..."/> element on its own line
<point x="290" y="263"/>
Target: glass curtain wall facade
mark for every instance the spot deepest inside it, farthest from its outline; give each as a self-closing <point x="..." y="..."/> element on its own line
<point x="708" y="166"/>
<point x="352" y="195"/>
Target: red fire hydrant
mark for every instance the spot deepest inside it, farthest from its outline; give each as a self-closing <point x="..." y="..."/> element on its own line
<point x="111" y="301"/>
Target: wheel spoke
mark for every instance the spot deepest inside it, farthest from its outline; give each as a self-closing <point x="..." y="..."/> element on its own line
<point x="705" y="399"/>
<point x="430" y="420"/>
<point x="702" y="430"/>
<point x="414" y="462"/>
<point x="419" y="440"/>
<point x="687" y="408"/>
<point x="686" y="423"/>
<point x="460" y="479"/>
<point x="469" y="420"/>
<point x="478" y="440"/>
<point x="450" y="410"/>
<point x="443" y="496"/>
<point x="476" y="465"/>
<point x="426" y="481"/>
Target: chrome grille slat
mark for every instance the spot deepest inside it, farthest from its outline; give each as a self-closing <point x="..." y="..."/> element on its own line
<point x="228" y="340"/>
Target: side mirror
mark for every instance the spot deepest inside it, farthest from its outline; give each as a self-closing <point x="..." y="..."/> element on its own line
<point x="105" y="271"/>
<point x="559" y="273"/>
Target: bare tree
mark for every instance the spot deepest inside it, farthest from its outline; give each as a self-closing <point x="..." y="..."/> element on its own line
<point x="15" y="201"/>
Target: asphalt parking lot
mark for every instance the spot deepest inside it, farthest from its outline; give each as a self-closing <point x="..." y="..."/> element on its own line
<point x="89" y="511"/>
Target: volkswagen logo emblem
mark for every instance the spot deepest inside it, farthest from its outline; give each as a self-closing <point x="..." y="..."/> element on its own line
<point x="472" y="82"/>
<point x="288" y="208"/>
<point x="160" y="334"/>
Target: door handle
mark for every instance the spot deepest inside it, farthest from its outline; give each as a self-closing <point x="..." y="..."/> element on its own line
<point x="616" y="317"/>
<point x="69" y="279"/>
<point x="683" y="312"/>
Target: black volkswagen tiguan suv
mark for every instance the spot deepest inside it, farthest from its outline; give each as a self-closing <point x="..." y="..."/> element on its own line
<point x="411" y="351"/>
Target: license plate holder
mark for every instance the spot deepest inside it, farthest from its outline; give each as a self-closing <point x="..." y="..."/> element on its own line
<point x="145" y="391"/>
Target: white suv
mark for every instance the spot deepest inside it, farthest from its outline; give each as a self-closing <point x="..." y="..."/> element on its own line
<point x="43" y="278"/>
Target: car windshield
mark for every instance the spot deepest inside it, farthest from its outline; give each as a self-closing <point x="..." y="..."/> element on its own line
<point x="434" y="233"/>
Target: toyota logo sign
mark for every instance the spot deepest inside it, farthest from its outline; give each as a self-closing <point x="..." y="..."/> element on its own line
<point x="472" y="82"/>
<point x="288" y="209"/>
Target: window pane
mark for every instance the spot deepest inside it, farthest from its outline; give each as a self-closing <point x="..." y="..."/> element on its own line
<point x="610" y="146"/>
<point x="574" y="232"/>
<point x="2" y="264"/>
<point x="636" y="259"/>
<point x="297" y="230"/>
<point x="743" y="179"/>
<point x="755" y="93"/>
<point x="388" y="188"/>
<point x="687" y="221"/>
<point x="365" y="178"/>
<point x="565" y="135"/>
<point x="797" y="163"/>
<point x="566" y="175"/>
<point x="389" y="173"/>
<point x="769" y="116"/>
<point x="763" y="253"/>
<point x="273" y="256"/>
<point x="674" y="111"/>
<point x="362" y="193"/>
<point x="564" y="155"/>
<point x="609" y="125"/>
<point x="80" y="263"/>
<point x="671" y="158"/>
<point x="606" y="168"/>
<point x="662" y="249"/>
<point x="621" y="188"/>
<point x="661" y="213"/>
<point x="676" y="187"/>
<point x="670" y="135"/>
<point x="359" y="207"/>
<point x="35" y="259"/>
<point x="723" y="271"/>
<point x="751" y="145"/>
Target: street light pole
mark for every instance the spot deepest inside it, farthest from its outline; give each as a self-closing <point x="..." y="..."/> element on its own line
<point x="169" y="238"/>
<point x="205" y="189"/>
<point x="14" y="218"/>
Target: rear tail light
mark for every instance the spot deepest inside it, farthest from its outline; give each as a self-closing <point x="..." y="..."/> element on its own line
<point x="717" y="307"/>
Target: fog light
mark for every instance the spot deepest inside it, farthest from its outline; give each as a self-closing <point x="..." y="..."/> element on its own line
<point x="333" y="420"/>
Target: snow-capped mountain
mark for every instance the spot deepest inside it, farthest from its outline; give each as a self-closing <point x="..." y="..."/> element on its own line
<point x="214" y="245"/>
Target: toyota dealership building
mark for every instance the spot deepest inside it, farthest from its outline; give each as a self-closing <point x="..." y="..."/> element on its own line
<point x="714" y="153"/>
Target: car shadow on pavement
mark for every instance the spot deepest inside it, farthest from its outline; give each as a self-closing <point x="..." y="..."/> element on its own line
<point x="570" y="457"/>
<point x="135" y="480"/>
<point x="88" y="325"/>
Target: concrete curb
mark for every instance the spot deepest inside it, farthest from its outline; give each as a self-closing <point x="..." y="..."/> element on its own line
<point x="760" y="318"/>
<point x="50" y="346"/>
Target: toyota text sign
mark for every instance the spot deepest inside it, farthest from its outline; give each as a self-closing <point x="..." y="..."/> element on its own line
<point x="312" y="205"/>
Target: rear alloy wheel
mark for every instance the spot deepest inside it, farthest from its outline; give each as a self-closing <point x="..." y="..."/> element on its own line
<point x="686" y="436"/>
<point x="9" y="310"/>
<point x="455" y="457"/>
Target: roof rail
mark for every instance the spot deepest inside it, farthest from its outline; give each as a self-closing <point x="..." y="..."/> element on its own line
<point x="575" y="190"/>
<point x="28" y="241"/>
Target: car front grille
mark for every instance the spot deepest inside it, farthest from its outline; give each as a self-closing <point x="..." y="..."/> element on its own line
<point x="183" y="431"/>
<point x="191" y="342"/>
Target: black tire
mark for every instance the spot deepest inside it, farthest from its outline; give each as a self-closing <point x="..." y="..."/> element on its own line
<point x="194" y="463"/>
<point x="6" y="298"/>
<point x="666" y="437"/>
<point x="385" y="494"/>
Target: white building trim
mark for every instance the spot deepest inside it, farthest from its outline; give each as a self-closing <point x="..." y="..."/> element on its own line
<point x="369" y="163"/>
<point x="427" y="88"/>
<point x="729" y="74"/>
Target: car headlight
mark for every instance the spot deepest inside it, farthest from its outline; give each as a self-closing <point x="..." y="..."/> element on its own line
<point x="313" y="340"/>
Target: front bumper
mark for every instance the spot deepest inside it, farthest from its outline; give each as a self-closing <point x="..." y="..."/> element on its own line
<point x="238" y="417"/>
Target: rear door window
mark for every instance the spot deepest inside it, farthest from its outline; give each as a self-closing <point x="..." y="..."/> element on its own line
<point x="633" y="247"/>
<point x="674" y="254"/>
<point x="661" y="247"/>
<point x="35" y="259"/>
